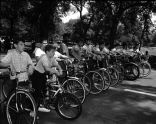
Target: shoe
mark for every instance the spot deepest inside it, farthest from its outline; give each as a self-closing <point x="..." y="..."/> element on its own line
<point x="43" y="109"/>
<point x="52" y="107"/>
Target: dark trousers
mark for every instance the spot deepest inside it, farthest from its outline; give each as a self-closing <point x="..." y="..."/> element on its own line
<point x="39" y="84"/>
<point x="10" y="85"/>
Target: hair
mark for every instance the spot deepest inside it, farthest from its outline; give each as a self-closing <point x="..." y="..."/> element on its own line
<point x="49" y="48"/>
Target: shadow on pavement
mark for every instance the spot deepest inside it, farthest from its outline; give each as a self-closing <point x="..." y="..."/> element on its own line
<point x="137" y="87"/>
<point x="112" y="107"/>
<point x="152" y="61"/>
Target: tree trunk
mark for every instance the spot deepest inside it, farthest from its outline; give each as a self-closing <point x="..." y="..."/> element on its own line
<point x="11" y="32"/>
<point x="46" y="20"/>
<point x="113" y="32"/>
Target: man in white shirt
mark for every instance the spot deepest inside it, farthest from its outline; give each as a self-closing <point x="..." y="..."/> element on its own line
<point x="20" y="64"/>
<point x="38" y="52"/>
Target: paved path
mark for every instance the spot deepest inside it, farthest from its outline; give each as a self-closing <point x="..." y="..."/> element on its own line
<point x="113" y="107"/>
<point x="132" y="102"/>
<point x="116" y="106"/>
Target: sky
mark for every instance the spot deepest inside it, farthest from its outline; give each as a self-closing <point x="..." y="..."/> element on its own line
<point x="154" y="18"/>
<point x="76" y="15"/>
<point x="72" y="15"/>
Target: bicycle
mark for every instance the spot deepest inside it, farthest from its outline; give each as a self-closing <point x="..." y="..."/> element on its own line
<point x="21" y="106"/>
<point x="92" y="80"/>
<point x="71" y="83"/>
<point x="144" y="66"/>
<point x="131" y="69"/>
<point x="59" y="99"/>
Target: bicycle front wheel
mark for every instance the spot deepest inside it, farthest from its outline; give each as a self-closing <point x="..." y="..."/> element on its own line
<point x="21" y="108"/>
<point x="75" y="87"/>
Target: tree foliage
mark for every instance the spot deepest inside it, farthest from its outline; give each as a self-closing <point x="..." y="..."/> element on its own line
<point x="106" y="21"/>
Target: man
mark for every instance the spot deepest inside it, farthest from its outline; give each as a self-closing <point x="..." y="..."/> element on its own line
<point x="44" y="65"/>
<point x="63" y="48"/>
<point x="58" y="55"/>
<point x="19" y="62"/>
<point x="77" y="51"/>
<point x="87" y="47"/>
<point x="38" y="52"/>
<point x="104" y="49"/>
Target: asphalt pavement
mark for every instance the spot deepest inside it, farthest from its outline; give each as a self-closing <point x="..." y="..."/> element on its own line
<point x="132" y="102"/>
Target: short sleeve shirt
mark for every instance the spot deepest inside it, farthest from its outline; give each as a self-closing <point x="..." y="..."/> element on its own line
<point x="38" y="52"/>
<point x="18" y="63"/>
<point x="45" y="61"/>
<point x="105" y="50"/>
<point x="76" y="52"/>
<point x="64" y="49"/>
<point x="57" y="54"/>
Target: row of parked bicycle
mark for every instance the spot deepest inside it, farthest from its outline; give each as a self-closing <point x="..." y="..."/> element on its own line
<point x="80" y="78"/>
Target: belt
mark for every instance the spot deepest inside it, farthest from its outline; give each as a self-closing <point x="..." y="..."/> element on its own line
<point x="12" y="74"/>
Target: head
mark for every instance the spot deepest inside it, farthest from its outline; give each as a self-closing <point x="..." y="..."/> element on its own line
<point x="19" y="45"/>
<point x="59" y="42"/>
<point x="146" y="52"/>
<point x="101" y="46"/>
<point x="87" y="42"/>
<point x="97" y="45"/>
<point x="50" y="50"/>
<point x="57" y="45"/>
<point x="38" y="44"/>
<point x="130" y="46"/>
<point x="80" y="43"/>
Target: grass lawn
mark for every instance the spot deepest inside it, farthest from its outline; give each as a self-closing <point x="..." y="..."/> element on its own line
<point x="152" y="50"/>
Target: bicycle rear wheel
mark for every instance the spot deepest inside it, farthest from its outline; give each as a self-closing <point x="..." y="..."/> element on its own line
<point x="97" y="82"/>
<point x="21" y="108"/>
<point x="68" y="106"/>
<point x="106" y="78"/>
<point x="120" y="69"/>
<point x="131" y="72"/>
<point x="145" y="69"/>
<point x="87" y="84"/>
<point x="114" y="74"/>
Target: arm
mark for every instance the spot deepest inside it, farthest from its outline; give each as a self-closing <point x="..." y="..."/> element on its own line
<point x="64" y="56"/>
<point x="65" y="50"/>
<point x="30" y="65"/>
<point x="38" y="54"/>
<point x="45" y="63"/>
<point x="37" y="58"/>
<point x="55" y="63"/>
<point x="61" y="56"/>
